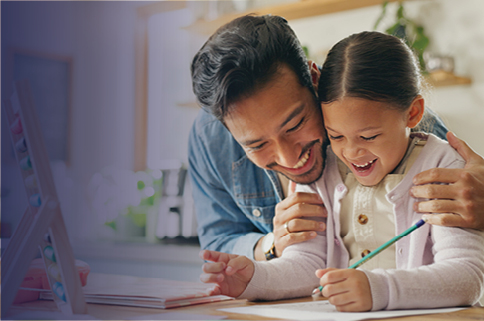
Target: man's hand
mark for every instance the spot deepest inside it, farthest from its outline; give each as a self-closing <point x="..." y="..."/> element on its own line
<point x="297" y="218"/>
<point x="459" y="203"/>
<point x="347" y="289"/>
<point x="230" y="272"/>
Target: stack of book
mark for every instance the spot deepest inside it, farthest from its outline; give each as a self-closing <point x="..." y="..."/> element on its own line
<point x="144" y="292"/>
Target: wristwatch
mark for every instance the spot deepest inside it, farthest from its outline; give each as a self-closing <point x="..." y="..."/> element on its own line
<point x="268" y="246"/>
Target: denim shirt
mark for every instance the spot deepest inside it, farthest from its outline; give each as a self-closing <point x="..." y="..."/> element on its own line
<point x="234" y="199"/>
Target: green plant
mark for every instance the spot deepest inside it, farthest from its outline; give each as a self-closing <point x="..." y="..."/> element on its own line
<point x="404" y="28"/>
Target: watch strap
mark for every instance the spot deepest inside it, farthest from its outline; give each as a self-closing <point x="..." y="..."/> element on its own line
<point x="270" y="254"/>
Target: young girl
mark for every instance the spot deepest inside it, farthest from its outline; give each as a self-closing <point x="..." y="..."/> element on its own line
<point x="370" y="97"/>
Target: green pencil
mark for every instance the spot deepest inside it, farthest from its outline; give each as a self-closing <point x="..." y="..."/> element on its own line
<point x="379" y="249"/>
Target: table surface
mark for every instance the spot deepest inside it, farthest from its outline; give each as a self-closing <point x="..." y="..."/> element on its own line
<point x="110" y="312"/>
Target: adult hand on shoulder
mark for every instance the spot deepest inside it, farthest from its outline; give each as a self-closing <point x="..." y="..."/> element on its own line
<point x="297" y="219"/>
<point x="459" y="203"/>
<point x="230" y="272"/>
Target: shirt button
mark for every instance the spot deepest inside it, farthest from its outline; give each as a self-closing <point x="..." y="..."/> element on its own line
<point x="365" y="253"/>
<point x="362" y="219"/>
<point x="400" y="251"/>
<point x="340" y="187"/>
<point x="256" y="213"/>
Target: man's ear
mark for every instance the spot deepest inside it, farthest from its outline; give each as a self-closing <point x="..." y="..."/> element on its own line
<point x="315" y="73"/>
<point x="416" y="112"/>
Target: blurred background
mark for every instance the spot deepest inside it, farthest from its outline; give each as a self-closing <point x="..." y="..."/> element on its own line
<point x="112" y="87"/>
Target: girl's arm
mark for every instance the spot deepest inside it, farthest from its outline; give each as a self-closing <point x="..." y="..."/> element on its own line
<point x="455" y="278"/>
<point x="291" y="275"/>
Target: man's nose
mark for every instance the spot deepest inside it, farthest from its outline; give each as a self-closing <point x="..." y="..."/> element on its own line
<point x="288" y="153"/>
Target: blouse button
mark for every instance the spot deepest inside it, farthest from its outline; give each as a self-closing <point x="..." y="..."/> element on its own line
<point x="256" y="213"/>
<point x="340" y="187"/>
<point x="365" y="253"/>
<point x="362" y="219"/>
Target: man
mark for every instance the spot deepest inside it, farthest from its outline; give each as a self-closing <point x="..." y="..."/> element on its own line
<point x="262" y="126"/>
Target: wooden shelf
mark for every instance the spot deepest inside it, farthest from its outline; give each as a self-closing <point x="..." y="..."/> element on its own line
<point x="310" y="8"/>
<point x="293" y="10"/>
<point x="442" y="78"/>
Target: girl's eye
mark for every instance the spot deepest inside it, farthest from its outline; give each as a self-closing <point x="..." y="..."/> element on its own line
<point x="297" y="125"/>
<point x="369" y="138"/>
<point x="335" y="137"/>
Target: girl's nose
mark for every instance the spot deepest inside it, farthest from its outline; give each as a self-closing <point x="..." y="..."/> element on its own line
<point x="352" y="151"/>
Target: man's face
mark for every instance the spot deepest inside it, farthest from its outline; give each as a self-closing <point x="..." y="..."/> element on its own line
<point x="281" y="128"/>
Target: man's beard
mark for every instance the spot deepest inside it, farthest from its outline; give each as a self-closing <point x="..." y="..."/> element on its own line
<point x="300" y="179"/>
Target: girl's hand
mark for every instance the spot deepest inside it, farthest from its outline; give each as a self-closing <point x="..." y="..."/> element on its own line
<point x="230" y="272"/>
<point x="347" y="289"/>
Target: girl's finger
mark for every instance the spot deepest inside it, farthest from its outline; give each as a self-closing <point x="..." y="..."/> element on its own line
<point x="213" y="267"/>
<point x="236" y="264"/>
<point x="212" y="277"/>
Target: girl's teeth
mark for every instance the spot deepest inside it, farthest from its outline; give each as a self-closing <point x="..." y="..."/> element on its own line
<point x="302" y="161"/>
<point x="370" y="162"/>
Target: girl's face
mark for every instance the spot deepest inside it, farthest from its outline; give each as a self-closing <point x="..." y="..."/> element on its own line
<point x="370" y="137"/>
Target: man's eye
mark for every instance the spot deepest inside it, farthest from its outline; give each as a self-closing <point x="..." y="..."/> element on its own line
<point x="297" y="125"/>
<point x="369" y="138"/>
<point x="255" y="148"/>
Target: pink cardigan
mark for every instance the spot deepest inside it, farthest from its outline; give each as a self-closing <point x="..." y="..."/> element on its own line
<point x="436" y="266"/>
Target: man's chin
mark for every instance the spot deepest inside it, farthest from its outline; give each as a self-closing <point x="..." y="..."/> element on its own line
<point x="308" y="178"/>
<point x="313" y="174"/>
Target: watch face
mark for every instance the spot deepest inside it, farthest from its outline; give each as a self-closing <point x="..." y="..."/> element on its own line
<point x="267" y="242"/>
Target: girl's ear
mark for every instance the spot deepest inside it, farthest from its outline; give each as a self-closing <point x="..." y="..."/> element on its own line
<point x="315" y="73"/>
<point x="416" y="112"/>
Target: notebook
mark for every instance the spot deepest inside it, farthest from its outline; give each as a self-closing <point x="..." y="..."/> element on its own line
<point x="144" y="292"/>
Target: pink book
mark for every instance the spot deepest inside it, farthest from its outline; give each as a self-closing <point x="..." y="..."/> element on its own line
<point x="144" y="292"/>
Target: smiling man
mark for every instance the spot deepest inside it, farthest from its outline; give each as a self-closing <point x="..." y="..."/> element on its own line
<point x="291" y="143"/>
<point x="261" y="126"/>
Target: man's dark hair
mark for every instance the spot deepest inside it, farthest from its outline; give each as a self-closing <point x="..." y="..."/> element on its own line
<point x="243" y="56"/>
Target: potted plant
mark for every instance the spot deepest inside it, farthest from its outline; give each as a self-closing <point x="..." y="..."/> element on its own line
<point x="411" y="32"/>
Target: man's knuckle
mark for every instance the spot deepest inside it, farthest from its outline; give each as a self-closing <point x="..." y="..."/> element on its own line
<point x="276" y="221"/>
<point x="466" y="192"/>
<point x="466" y="176"/>
<point x="434" y="207"/>
<point x="444" y="219"/>
<point x="431" y="190"/>
<point x="433" y="174"/>
<point x="291" y="238"/>
<point x="472" y="221"/>
<point x="298" y="194"/>
<point x="469" y="207"/>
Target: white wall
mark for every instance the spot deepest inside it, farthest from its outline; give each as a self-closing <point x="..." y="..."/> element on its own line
<point x="99" y="36"/>
<point x="455" y="28"/>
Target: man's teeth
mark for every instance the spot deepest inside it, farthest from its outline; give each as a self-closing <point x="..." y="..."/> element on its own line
<point x="364" y="165"/>
<point x="303" y="161"/>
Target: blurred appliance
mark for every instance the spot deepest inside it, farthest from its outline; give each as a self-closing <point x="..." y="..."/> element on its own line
<point x="176" y="215"/>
